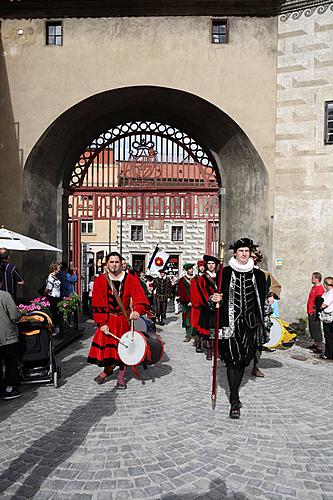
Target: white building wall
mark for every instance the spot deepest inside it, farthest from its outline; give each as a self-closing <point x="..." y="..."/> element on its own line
<point x="303" y="238"/>
<point x="190" y="249"/>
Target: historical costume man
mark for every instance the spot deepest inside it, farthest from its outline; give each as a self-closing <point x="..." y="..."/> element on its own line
<point x="184" y="285"/>
<point x="273" y="292"/>
<point x="195" y="306"/>
<point x="206" y="288"/>
<point x="242" y="316"/>
<point x="163" y="292"/>
<point x="117" y="298"/>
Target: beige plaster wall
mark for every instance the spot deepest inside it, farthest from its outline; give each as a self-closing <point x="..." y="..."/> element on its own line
<point x="304" y="164"/>
<point x="102" y="54"/>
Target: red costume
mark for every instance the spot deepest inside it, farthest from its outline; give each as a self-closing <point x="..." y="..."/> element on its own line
<point x="106" y="311"/>
<point x="195" y="309"/>
<point x="206" y="288"/>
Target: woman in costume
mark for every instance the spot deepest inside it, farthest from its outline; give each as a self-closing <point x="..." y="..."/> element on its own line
<point x="244" y="318"/>
<point x="195" y="306"/>
<point x="207" y="286"/>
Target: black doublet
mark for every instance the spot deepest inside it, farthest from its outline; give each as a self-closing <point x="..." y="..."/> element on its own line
<point x="244" y="304"/>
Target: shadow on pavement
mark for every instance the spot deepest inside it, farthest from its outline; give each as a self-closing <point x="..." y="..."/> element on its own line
<point x="171" y="319"/>
<point x="222" y="379"/>
<point x="69" y="367"/>
<point x="52" y="449"/>
<point x="217" y="490"/>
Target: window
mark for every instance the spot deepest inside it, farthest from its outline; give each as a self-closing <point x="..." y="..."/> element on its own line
<point x="136" y="233"/>
<point x="220" y="31"/>
<point x="54" y="33"/>
<point x="87" y="227"/>
<point x="176" y="233"/>
<point x="329" y="122"/>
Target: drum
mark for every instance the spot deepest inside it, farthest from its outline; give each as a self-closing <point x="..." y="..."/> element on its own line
<point x="280" y="337"/>
<point x="137" y="347"/>
<point x="144" y="325"/>
<point x="275" y="336"/>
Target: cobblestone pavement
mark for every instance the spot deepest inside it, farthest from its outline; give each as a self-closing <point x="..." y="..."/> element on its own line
<point x="161" y="439"/>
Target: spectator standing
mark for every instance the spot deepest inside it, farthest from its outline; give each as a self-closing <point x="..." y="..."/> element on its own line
<point x="11" y="275"/>
<point x="67" y="280"/>
<point x="53" y="293"/>
<point x="317" y="290"/>
<point x="327" y="318"/>
<point x="90" y="293"/>
<point x="9" y="347"/>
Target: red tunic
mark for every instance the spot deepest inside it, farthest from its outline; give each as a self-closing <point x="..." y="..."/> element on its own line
<point x="195" y="309"/>
<point x="205" y="287"/>
<point x="106" y="311"/>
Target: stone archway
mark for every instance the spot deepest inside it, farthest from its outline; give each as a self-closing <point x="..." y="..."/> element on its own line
<point x="50" y="163"/>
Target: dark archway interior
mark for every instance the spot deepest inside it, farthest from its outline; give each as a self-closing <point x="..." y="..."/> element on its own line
<point x="241" y="170"/>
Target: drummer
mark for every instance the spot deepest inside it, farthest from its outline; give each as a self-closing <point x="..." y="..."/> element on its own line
<point x="117" y="299"/>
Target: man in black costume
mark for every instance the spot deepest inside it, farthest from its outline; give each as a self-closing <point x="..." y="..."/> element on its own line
<point x="163" y="293"/>
<point x="243" y="316"/>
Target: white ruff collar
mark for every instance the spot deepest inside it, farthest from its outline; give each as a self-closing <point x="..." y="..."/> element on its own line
<point x="241" y="267"/>
<point x="212" y="274"/>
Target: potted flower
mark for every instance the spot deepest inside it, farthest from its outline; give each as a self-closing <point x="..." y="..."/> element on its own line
<point x="68" y="305"/>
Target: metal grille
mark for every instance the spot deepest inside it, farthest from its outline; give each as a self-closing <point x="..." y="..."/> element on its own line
<point x="143" y="154"/>
<point x="142" y="206"/>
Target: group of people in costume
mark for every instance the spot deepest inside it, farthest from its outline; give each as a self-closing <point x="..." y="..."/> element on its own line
<point x="244" y="301"/>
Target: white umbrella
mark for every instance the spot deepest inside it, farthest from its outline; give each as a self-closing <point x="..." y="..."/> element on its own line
<point x="16" y="241"/>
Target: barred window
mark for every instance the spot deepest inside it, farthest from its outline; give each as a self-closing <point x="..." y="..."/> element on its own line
<point x="176" y="233"/>
<point x="87" y="226"/>
<point x="329" y="122"/>
<point x="136" y="233"/>
<point x="220" y="31"/>
<point x="53" y="33"/>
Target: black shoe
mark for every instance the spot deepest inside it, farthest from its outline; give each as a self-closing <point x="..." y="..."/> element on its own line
<point x="187" y="340"/>
<point x="13" y="394"/>
<point x="234" y="410"/>
<point x="162" y="323"/>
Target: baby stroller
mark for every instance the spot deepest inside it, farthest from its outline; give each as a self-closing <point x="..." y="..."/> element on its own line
<point x="37" y="361"/>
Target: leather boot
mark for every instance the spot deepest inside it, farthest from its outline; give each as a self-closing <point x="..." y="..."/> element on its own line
<point x="198" y="347"/>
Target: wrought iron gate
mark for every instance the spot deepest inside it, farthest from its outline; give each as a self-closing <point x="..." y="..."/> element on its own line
<point x="139" y="171"/>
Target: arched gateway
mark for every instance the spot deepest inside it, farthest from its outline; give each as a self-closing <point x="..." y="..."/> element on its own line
<point x="218" y="157"/>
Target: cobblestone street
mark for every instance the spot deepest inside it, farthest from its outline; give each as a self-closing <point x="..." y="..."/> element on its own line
<point x="161" y="439"/>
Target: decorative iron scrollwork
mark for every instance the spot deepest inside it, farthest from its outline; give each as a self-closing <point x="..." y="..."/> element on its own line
<point x="143" y="151"/>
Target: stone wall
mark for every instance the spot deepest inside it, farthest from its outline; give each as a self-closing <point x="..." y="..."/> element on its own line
<point x="303" y="210"/>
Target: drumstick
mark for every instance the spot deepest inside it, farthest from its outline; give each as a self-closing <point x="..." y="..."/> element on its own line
<point x="132" y="328"/>
<point x="115" y="337"/>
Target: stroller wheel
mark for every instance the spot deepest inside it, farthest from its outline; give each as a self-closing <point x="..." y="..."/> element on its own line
<point x="55" y="380"/>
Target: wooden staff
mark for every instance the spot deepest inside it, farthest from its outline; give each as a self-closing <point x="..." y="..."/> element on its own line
<point x="217" y="326"/>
